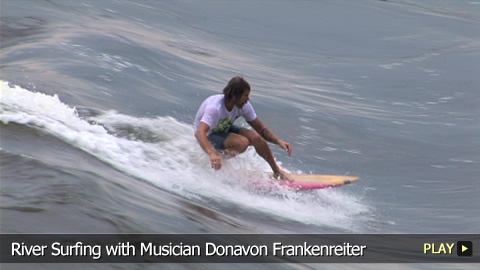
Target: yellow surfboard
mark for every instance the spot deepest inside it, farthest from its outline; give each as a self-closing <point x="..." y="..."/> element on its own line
<point x="301" y="181"/>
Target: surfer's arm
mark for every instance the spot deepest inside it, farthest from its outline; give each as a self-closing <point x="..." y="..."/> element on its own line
<point x="202" y="139"/>
<point x="269" y="135"/>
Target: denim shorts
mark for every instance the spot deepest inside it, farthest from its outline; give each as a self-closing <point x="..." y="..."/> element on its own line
<point x="218" y="138"/>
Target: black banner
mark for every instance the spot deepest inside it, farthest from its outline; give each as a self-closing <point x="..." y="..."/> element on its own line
<point x="239" y="248"/>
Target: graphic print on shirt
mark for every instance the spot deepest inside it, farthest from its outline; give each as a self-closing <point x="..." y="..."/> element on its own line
<point x="223" y="125"/>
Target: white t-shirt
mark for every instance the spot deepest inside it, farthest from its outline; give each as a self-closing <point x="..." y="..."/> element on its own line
<point x="214" y="113"/>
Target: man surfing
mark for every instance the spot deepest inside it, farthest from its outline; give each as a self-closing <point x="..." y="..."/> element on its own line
<point x="216" y="133"/>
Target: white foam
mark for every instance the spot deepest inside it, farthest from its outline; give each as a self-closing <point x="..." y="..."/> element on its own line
<point x="174" y="161"/>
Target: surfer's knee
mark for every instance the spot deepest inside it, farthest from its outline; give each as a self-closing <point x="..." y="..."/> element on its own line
<point x="242" y="144"/>
<point x="237" y="143"/>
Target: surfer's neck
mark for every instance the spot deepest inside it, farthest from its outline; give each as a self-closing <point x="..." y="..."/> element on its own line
<point x="229" y="104"/>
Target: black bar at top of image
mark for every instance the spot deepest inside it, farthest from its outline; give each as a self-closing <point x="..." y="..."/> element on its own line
<point x="239" y="248"/>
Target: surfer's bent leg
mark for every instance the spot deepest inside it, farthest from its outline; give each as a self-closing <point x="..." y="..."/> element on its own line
<point x="235" y="144"/>
<point x="230" y="142"/>
<point x="262" y="148"/>
<point x="237" y="140"/>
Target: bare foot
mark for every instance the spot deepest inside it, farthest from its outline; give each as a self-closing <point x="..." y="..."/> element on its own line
<point x="283" y="176"/>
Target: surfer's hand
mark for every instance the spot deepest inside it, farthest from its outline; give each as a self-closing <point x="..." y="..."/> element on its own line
<point x="286" y="146"/>
<point x="215" y="160"/>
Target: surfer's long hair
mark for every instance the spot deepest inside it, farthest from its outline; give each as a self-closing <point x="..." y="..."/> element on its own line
<point x="235" y="88"/>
